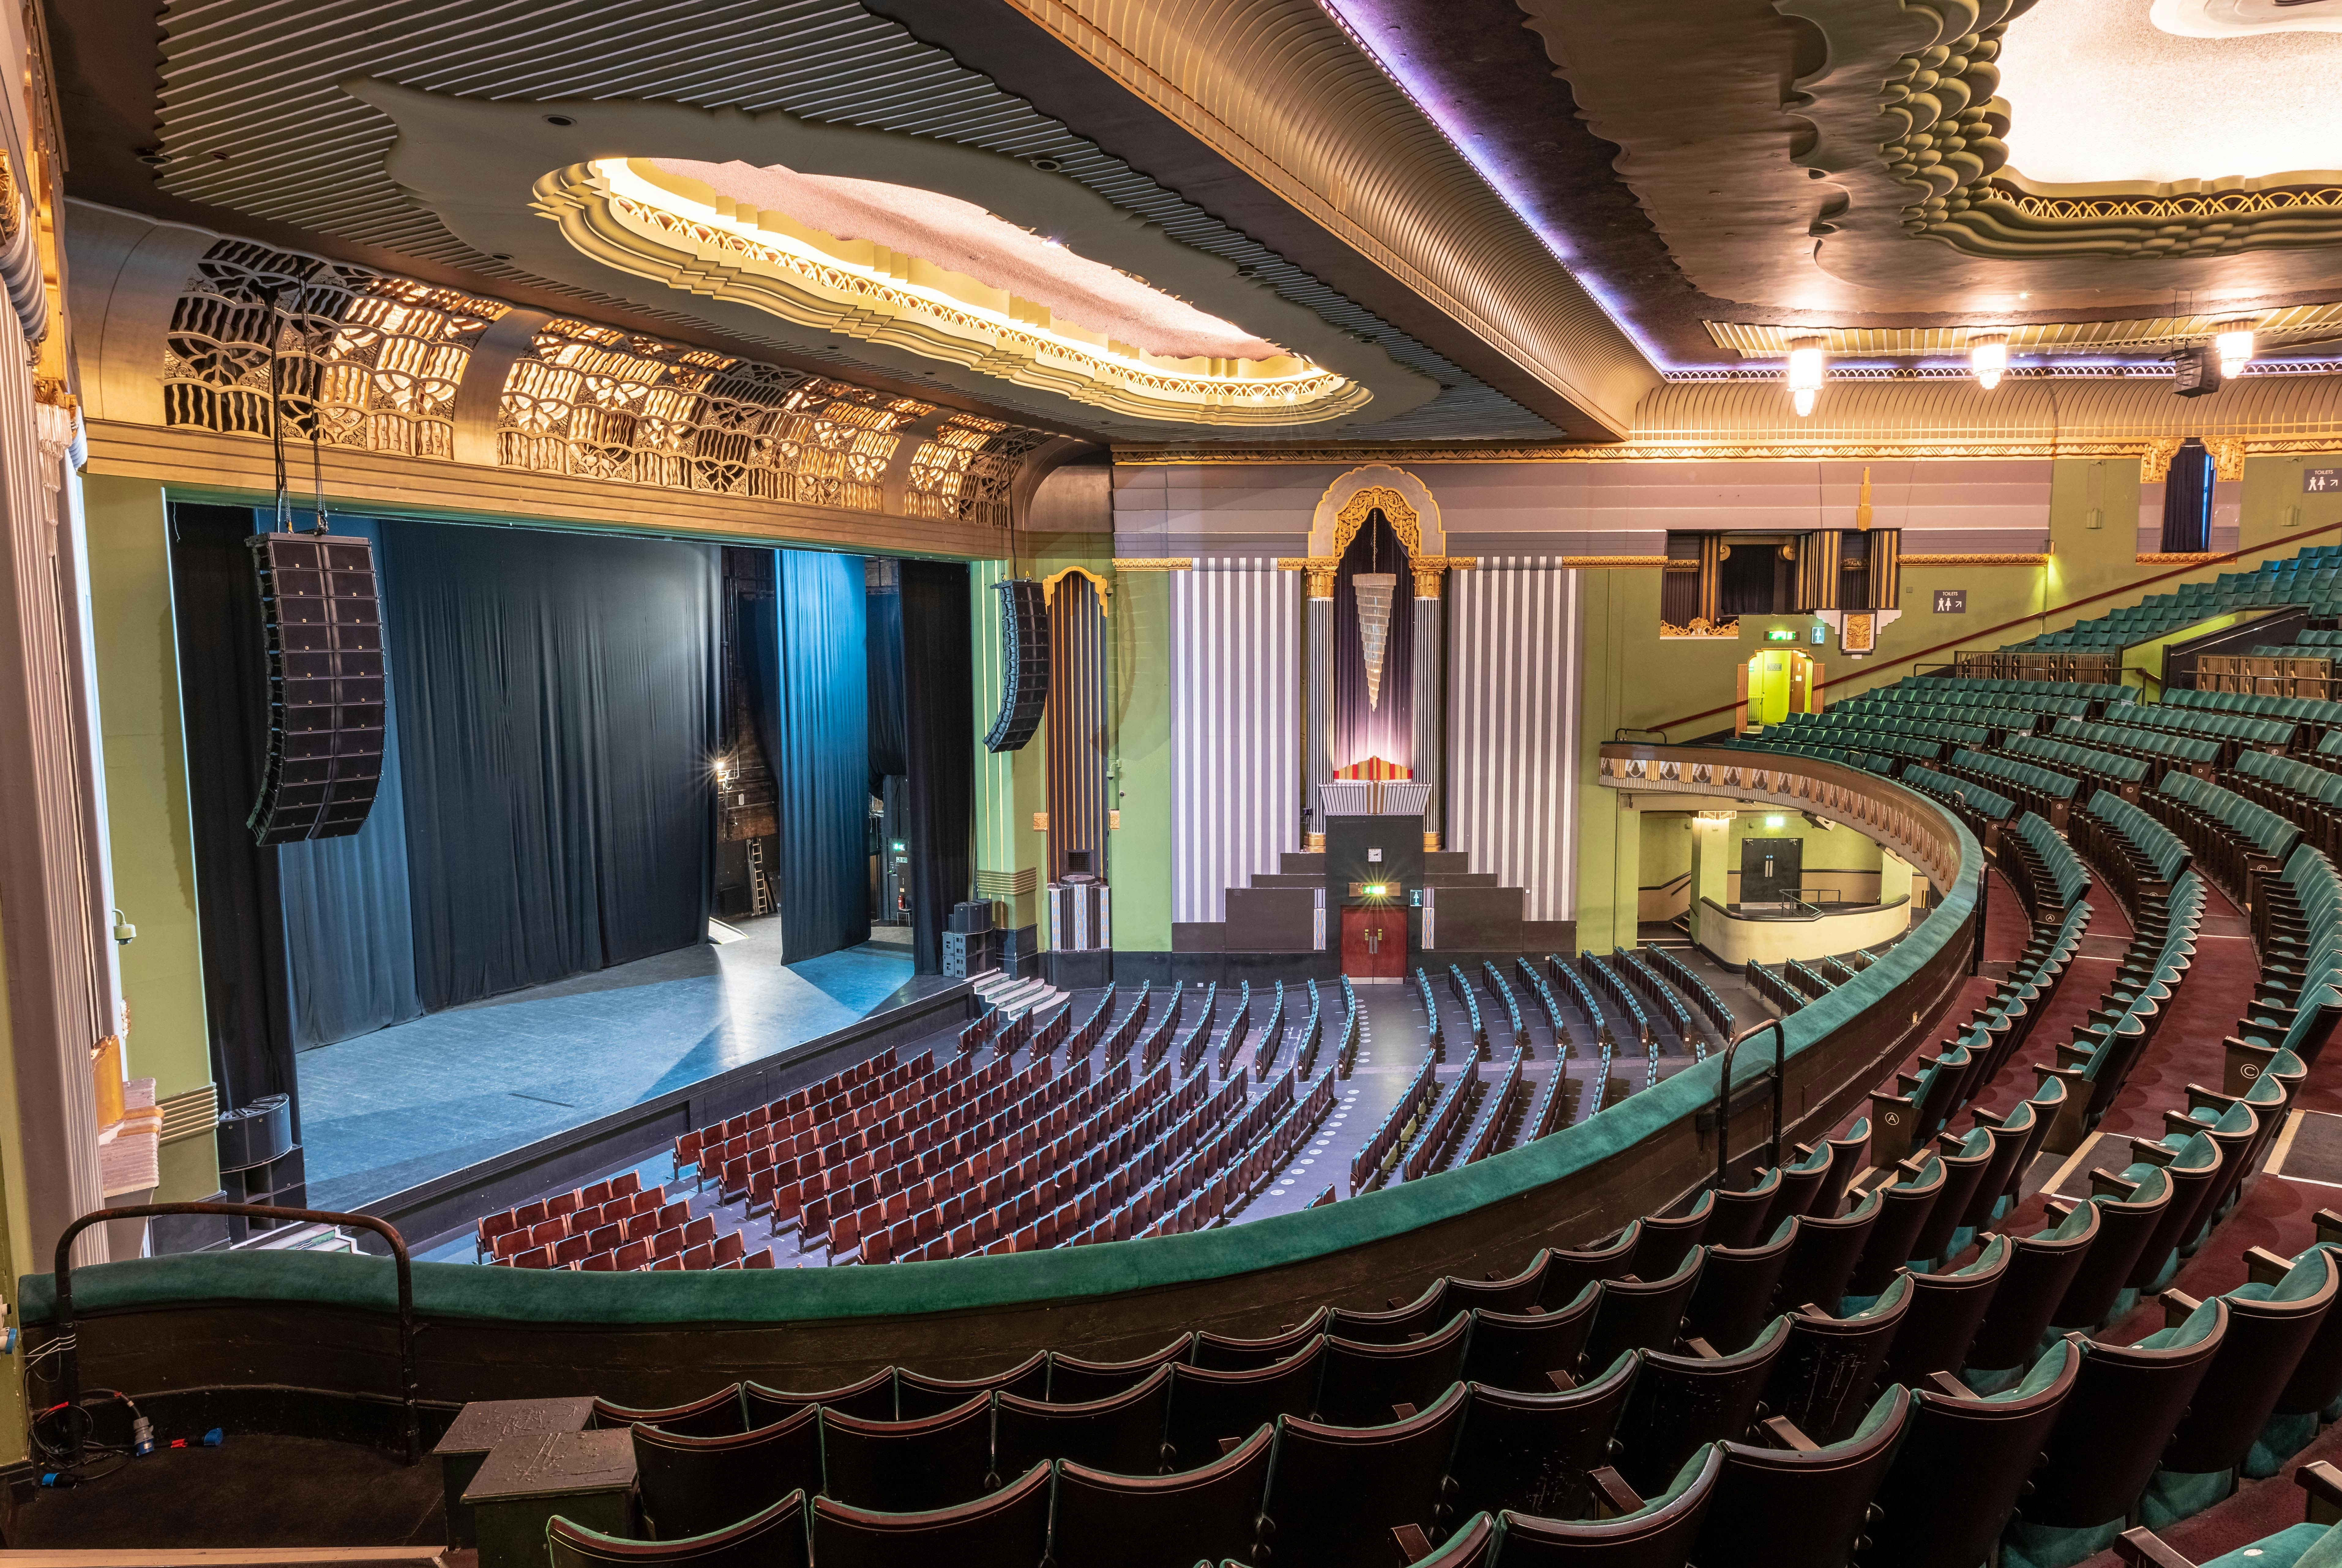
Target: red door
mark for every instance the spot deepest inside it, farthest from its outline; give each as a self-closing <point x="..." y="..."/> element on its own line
<point x="1374" y="942"/>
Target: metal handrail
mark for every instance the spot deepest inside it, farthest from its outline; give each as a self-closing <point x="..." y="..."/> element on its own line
<point x="70" y="1359"/>
<point x="1724" y="1095"/>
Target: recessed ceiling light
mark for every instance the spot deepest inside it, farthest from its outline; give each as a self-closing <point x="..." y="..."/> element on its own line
<point x="559" y="120"/>
<point x="1047" y="165"/>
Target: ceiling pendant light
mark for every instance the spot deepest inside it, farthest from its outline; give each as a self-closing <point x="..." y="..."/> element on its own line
<point x="2234" y="342"/>
<point x="1805" y="372"/>
<point x="1988" y="357"/>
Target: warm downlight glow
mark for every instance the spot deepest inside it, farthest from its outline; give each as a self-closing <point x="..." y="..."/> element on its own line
<point x="1988" y="357"/>
<point x="2233" y="343"/>
<point x="939" y="276"/>
<point x="1805" y="372"/>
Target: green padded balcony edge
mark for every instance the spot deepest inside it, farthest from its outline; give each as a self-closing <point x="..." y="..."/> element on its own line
<point x="484" y="1293"/>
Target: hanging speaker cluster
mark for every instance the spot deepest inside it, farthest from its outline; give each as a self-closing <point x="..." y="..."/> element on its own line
<point x="324" y="625"/>
<point x="1023" y="664"/>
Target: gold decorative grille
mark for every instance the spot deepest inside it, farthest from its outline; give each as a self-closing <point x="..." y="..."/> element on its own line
<point x="364" y="359"/>
<point x="601" y="403"/>
<point x="965" y="470"/>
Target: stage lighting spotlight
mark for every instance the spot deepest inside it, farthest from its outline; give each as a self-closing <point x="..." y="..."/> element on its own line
<point x="1805" y="372"/>
<point x="2234" y="342"/>
<point x="1988" y="357"/>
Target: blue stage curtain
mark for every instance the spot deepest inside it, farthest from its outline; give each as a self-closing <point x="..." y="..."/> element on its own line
<point x="2188" y="500"/>
<point x="883" y="599"/>
<point x="939" y="726"/>
<point x="808" y="665"/>
<point x="349" y="937"/>
<point x="557" y="724"/>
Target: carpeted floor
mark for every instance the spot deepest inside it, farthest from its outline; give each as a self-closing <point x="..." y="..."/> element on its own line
<point x="251" y="1492"/>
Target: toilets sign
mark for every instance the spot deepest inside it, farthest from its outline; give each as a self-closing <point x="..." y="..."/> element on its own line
<point x="1951" y="600"/>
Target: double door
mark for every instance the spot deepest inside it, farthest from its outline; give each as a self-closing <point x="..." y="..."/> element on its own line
<point x="1374" y="942"/>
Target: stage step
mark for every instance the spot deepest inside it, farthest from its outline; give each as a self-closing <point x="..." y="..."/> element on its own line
<point x="1017" y="995"/>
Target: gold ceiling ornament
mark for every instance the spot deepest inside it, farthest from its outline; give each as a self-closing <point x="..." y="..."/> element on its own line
<point x="1104" y="589"/>
<point x="621" y="212"/>
<point x="1960" y="560"/>
<point x="1154" y="563"/>
<point x="1701" y="628"/>
<point x="1429" y="569"/>
<point x="1396" y="511"/>
<point x="1318" y="572"/>
<point x="1764" y="340"/>
<point x="11" y="209"/>
<point x="1946" y="145"/>
<point x="2155" y="463"/>
<point x="1862" y="506"/>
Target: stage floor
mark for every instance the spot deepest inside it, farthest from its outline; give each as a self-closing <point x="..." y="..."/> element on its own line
<point x="388" y="1110"/>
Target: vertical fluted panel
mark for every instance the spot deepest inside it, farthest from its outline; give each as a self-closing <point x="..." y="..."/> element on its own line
<point x="1321" y="704"/>
<point x="1512" y="727"/>
<point x="1235" y="729"/>
<point x="1076" y="726"/>
<point x="1430" y="684"/>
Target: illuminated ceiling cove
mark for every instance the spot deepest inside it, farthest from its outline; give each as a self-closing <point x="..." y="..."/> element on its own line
<point x="2154" y="106"/>
<point x="606" y="195"/>
<point x="971" y="242"/>
<point x="640" y="216"/>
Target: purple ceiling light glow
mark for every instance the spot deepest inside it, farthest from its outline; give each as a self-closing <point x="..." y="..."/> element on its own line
<point x="1363" y="22"/>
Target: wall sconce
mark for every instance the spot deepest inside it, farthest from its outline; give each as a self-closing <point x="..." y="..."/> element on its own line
<point x="2233" y="341"/>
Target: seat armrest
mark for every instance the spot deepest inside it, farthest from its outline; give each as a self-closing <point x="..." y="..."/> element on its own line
<point x="2264" y="1267"/>
<point x="1784" y="1433"/>
<point x="2324" y="1484"/>
<point x="1612" y="1496"/>
<point x="2143" y="1548"/>
<point x="2178" y="1307"/>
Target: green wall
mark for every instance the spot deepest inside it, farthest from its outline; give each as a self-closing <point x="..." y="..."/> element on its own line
<point x="149" y="829"/>
<point x="1138" y="706"/>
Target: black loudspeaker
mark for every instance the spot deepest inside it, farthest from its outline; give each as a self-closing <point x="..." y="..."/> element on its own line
<point x="323" y="627"/>
<point x="971" y="917"/>
<point x="256" y="1134"/>
<point x="1025" y="664"/>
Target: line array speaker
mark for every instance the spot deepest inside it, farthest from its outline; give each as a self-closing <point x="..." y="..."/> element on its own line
<point x="1025" y="664"/>
<point x="324" y="625"/>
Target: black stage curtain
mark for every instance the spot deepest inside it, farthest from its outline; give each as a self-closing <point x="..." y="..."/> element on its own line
<point x="558" y="720"/>
<point x="808" y="668"/>
<point x="224" y="698"/>
<point x="349" y="932"/>
<point x="885" y="602"/>
<point x="939" y="727"/>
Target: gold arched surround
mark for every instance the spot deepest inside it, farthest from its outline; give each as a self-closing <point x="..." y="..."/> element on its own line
<point x="1406" y="500"/>
<point x="1104" y="589"/>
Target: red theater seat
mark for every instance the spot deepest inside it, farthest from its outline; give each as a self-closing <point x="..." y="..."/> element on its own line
<point x="671" y="1261"/>
<point x="729" y="1248"/>
<point x="535" y="1258"/>
<point x="570" y="1249"/>
<point x="699" y="1257"/>
<point x="698" y="1231"/>
<point x="667" y="1242"/>
<point x="623" y="1185"/>
<point x="607" y="1237"/>
<point x="633" y="1255"/>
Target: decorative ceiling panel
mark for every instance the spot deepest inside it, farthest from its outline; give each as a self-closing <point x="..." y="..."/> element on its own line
<point x="256" y="119"/>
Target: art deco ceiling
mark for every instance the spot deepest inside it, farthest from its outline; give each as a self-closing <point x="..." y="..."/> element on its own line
<point x="1379" y="221"/>
<point x="1737" y="166"/>
<point x="255" y="119"/>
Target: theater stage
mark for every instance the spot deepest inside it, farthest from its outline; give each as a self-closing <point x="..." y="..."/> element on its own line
<point x="386" y="1110"/>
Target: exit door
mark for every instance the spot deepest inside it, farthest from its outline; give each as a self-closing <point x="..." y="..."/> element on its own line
<point x="1374" y="943"/>
<point x="1771" y="869"/>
